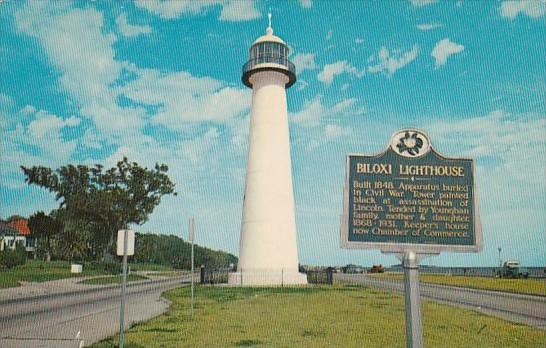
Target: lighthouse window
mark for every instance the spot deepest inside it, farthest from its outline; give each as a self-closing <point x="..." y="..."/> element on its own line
<point x="268" y="50"/>
<point x="277" y="53"/>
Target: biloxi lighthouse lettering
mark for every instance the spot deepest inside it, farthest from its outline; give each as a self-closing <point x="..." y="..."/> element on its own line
<point x="384" y="168"/>
<point x="417" y="197"/>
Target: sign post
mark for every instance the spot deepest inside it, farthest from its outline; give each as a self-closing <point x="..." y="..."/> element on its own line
<point x="414" y="329"/>
<point x="191" y="237"/>
<point x="412" y="202"/>
<point x="125" y="246"/>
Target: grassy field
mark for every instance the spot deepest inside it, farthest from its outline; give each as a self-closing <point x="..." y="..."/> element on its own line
<point x="41" y="271"/>
<point x="523" y="286"/>
<point x="315" y="317"/>
<point x="112" y="279"/>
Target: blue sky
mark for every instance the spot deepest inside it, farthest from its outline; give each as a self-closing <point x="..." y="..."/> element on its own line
<point x="93" y="81"/>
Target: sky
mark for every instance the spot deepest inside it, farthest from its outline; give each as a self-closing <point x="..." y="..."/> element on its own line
<point x="89" y="82"/>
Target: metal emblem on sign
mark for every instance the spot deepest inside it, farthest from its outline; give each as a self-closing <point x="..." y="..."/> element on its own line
<point x="410" y="143"/>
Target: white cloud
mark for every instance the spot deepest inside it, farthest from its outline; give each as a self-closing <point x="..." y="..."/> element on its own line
<point x="389" y="64"/>
<point x="359" y="40"/>
<point x="173" y="9"/>
<point x="90" y="74"/>
<point x="195" y="149"/>
<point x="302" y="84"/>
<point x="310" y="114"/>
<point x="329" y="35"/>
<point x="428" y="26"/>
<point x="27" y="110"/>
<point x="234" y="10"/>
<point x="509" y="149"/>
<point x="183" y="98"/>
<point x="5" y="101"/>
<point x="306" y="3"/>
<point x="314" y="112"/>
<point x="531" y="8"/>
<point x="131" y="30"/>
<point x="87" y="71"/>
<point x="443" y="49"/>
<point x="420" y="3"/>
<point x="40" y="142"/>
<point x="304" y="61"/>
<point x="334" y="131"/>
<point x="239" y="133"/>
<point x="330" y="71"/>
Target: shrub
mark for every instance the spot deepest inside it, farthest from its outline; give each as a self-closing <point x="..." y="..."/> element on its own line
<point x="10" y="258"/>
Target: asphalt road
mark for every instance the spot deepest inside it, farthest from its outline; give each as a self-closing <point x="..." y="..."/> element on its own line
<point x="68" y="319"/>
<point x="524" y="309"/>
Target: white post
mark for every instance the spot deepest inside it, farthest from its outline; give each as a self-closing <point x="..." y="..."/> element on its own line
<point x="414" y="330"/>
<point x="192" y="232"/>
<point x="123" y="283"/>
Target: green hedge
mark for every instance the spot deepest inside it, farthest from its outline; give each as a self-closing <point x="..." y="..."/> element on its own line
<point x="10" y="258"/>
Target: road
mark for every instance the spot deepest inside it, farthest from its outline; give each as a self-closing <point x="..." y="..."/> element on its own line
<point x="524" y="309"/>
<point x="66" y="319"/>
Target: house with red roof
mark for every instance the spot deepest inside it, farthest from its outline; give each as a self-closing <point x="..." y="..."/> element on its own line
<point x="15" y="230"/>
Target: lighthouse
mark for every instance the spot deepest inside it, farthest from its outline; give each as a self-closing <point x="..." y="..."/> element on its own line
<point x="268" y="252"/>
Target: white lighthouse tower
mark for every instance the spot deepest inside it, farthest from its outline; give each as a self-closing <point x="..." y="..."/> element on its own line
<point x="268" y="253"/>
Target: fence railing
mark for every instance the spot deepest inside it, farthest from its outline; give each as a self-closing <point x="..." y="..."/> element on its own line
<point x="214" y="276"/>
<point x="251" y="64"/>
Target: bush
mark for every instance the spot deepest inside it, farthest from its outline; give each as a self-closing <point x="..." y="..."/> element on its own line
<point x="102" y="266"/>
<point x="10" y="258"/>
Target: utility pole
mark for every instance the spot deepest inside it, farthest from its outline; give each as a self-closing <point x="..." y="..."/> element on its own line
<point x="191" y="237"/>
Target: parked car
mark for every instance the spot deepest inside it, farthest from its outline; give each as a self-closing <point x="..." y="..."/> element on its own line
<point x="512" y="269"/>
<point x="377" y="269"/>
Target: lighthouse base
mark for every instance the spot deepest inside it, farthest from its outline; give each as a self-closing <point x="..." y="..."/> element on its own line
<point x="267" y="278"/>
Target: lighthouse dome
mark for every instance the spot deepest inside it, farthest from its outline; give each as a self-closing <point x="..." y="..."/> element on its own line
<point x="269" y="53"/>
<point x="269" y="37"/>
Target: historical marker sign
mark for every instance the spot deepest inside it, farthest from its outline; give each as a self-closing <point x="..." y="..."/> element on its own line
<point x="410" y="198"/>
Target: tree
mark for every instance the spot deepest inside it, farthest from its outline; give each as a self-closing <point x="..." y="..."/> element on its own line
<point x="173" y="251"/>
<point x="44" y="227"/>
<point x="103" y="201"/>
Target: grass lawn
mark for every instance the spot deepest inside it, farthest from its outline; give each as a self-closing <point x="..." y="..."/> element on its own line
<point x="339" y="316"/>
<point x="113" y="279"/>
<point x="41" y="271"/>
<point x="523" y="286"/>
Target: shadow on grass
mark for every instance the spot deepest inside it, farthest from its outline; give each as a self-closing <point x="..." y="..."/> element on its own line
<point x="248" y="343"/>
<point x="227" y="294"/>
<point x="113" y="344"/>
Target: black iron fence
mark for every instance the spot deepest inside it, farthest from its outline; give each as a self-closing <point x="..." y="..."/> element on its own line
<point x="320" y="277"/>
<point x="210" y="275"/>
<point x="213" y="276"/>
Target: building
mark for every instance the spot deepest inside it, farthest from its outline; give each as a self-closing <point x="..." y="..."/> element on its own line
<point x="15" y="230"/>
